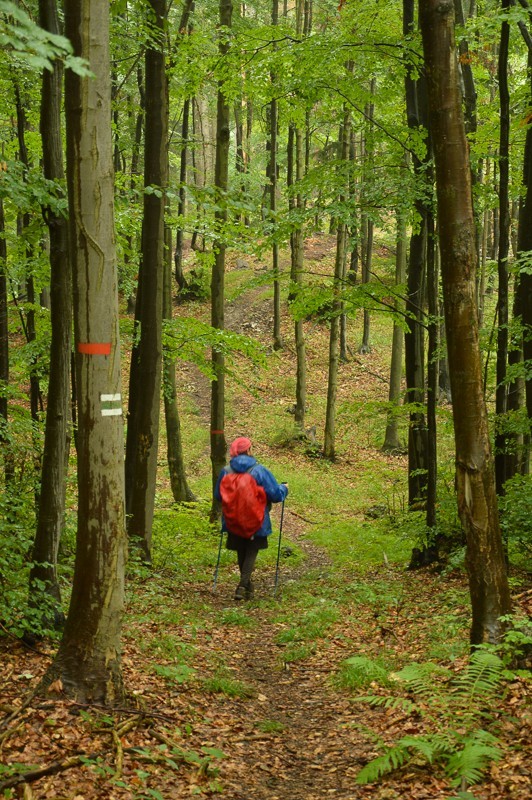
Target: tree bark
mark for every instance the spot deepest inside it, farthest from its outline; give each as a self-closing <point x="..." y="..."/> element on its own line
<point x="178" y="256"/>
<point x="88" y="660"/>
<point x="273" y="169"/>
<point x="50" y="519"/>
<point x="367" y="153"/>
<point x="432" y="378"/>
<point x="524" y="287"/>
<point x="337" y="305"/>
<point x="501" y="389"/>
<point x="477" y="500"/>
<point x="176" y="466"/>
<point x="221" y="178"/>
<point x="414" y="337"/>
<point x="4" y="353"/>
<point x="392" y="443"/>
<point x="145" y="383"/>
<point x="296" y="276"/>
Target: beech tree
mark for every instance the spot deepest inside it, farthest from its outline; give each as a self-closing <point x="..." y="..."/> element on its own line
<point x="477" y="503"/>
<point x="57" y="432"/>
<point x="146" y="362"/>
<point x="221" y="171"/>
<point x="88" y="659"/>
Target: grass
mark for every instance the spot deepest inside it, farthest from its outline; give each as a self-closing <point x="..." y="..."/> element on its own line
<point x="270" y="726"/>
<point x="360" y="672"/>
<point x="237" y="616"/>
<point x="365" y="544"/>
<point x="221" y="683"/>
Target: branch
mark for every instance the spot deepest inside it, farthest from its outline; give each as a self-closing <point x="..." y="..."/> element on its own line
<point x="521" y="25"/>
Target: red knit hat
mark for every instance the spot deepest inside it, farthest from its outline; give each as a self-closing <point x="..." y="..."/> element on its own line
<point x="239" y="446"/>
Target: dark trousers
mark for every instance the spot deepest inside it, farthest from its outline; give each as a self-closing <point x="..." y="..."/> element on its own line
<point x="246" y="552"/>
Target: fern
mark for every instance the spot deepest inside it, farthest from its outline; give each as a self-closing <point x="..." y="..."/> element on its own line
<point x="444" y="698"/>
<point x="471" y="762"/>
<point x="394" y="758"/>
<point x="483" y="677"/>
<point x="361" y="671"/>
<point x="430" y="748"/>
<point x="422" y="679"/>
<point x="400" y="703"/>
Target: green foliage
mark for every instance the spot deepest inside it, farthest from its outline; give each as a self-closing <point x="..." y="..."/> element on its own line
<point x="516" y="519"/>
<point x="190" y="339"/>
<point x="313" y="625"/>
<point x="359" y="672"/>
<point x="237" y="616"/>
<point x="270" y="726"/>
<point x="516" y="645"/>
<point x="177" y="673"/>
<point x="222" y="683"/>
<point x="453" y="710"/>
<point x="17" y="613"/>
<point x="30" y="45"/>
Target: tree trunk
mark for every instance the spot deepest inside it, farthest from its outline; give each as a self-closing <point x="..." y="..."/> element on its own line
<point x="477" y="500"/>
<point x="296" y="276"/>
<point x="432" y="377"/>
<point x="88" y="661"/>
<point x="337" y="306"/>
<point x="178" y="257"/>
<point x="221" y="178"/>
<point x="524" y="286"/>
<point x="414" y="338"/>
<point x="367" y="152"/>
<point x="23" y="224"/>
<point x="4" y="354"/>
<point x="273" y="169"/>
<point x="176" y="465"/>
<point x="501" y="389"/>
<point x="392" y="443"/>
<point x="145" y="387"/>
<point x="51" y="512"/>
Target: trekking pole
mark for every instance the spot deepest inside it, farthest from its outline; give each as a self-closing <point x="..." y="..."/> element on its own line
<point x="278" y="551"/>
<point x="218" y="562"/>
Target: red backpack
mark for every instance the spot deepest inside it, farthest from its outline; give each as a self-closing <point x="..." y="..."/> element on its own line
<point x="243" y="503"/>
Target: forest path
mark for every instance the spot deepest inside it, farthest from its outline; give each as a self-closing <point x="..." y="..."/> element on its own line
<point x="295" y="737"/>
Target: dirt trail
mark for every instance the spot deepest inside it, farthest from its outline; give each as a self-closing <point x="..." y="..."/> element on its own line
<point x="295" y="737"/>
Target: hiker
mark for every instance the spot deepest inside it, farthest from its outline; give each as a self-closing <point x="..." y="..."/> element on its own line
<point x="246" y="505"/>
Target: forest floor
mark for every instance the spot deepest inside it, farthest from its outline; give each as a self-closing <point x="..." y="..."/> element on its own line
<point x="262" y="726"/>
<point x="250" y="701"/>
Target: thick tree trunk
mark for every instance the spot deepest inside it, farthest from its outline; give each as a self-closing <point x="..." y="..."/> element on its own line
<point x="143" y="423"/>
<point x="50" y="518"/>
<point x="477" y="500"/>
<point x="88" y="661"/>
<point x="221" y="178"/>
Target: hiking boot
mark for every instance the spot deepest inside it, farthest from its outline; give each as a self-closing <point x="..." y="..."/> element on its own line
<point x="240" y="592"/>
<point x="250" y="591"/>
